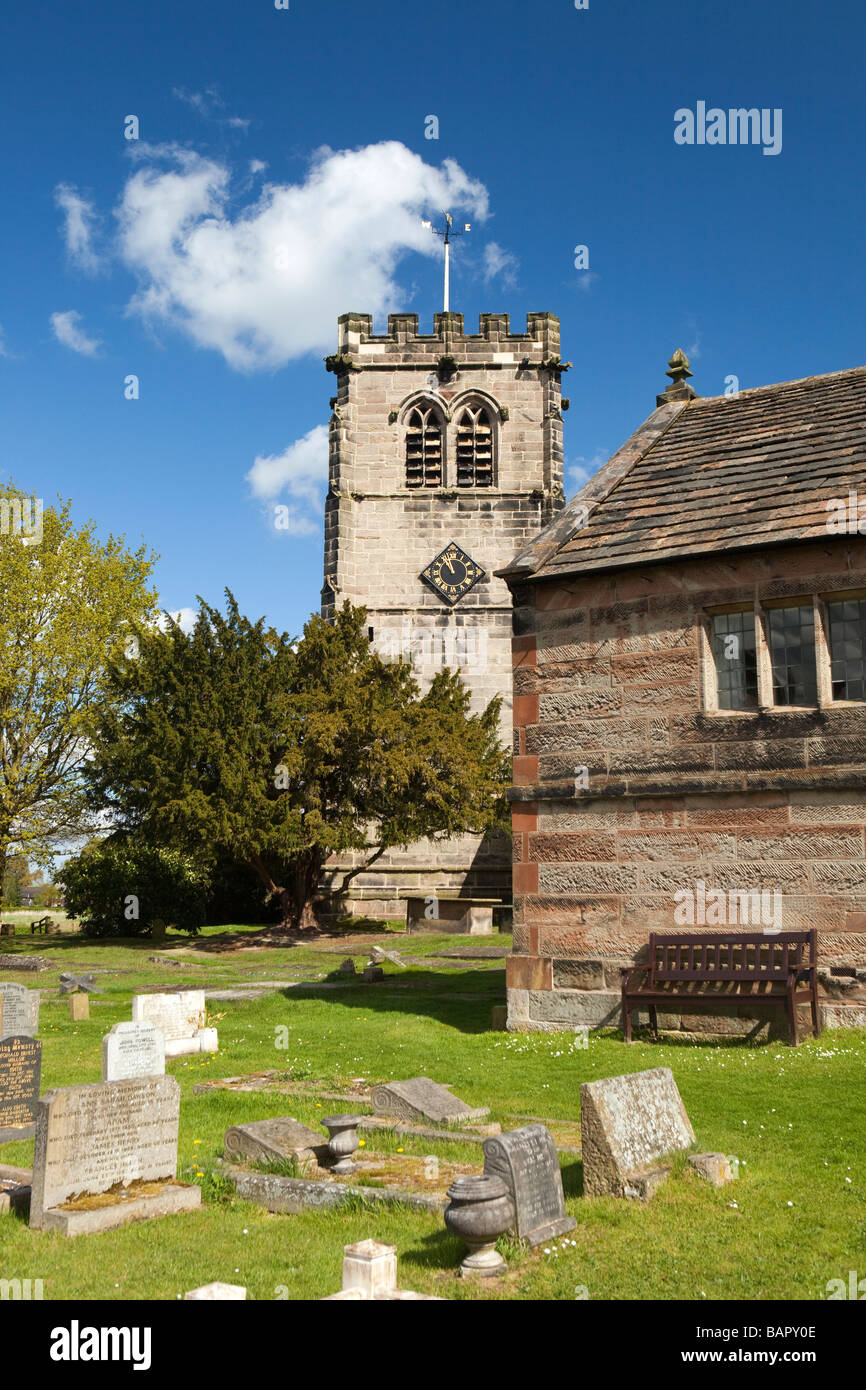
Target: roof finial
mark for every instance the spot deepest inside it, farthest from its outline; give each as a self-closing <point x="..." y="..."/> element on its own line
<point x="679" y="389"/>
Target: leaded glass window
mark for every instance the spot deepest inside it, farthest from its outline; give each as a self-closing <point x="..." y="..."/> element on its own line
<point x="847" y="648"/>
<point x="736" y="660"/>
<point x="792" y="655"/>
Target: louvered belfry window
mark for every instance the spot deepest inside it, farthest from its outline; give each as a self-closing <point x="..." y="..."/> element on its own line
<point x="474" y="448"/>
<point x="423" y="449"/>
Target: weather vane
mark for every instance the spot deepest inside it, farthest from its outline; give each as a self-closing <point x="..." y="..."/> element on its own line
<point x="447" y="233"/>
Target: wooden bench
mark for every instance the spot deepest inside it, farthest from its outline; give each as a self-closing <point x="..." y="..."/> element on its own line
<point x="710" y="969"/>
<point x="41" y="926"/>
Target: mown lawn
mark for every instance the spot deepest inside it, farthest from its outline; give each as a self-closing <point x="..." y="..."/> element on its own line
<point x="795" y="1120"/>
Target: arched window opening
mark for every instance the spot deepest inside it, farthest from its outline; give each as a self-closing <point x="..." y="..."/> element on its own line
<point x="424" y="449"/>
<point x="474" y="448"/>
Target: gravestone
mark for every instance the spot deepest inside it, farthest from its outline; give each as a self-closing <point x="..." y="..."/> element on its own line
<point x="20" y="1067"/>
<point x="132" y="1049"/>
<point x="19" y="1011"/>
<point x="111" y="1136"/>
<point x="29" y="963"/>
<point x="628" y="1124"/>
<point x="460" y="916"/>
<point x="527" y="1161"/>
<point x="217" y="1292"/>
<point x="276" y="1141"/>
<point x="423" y="1099"/>
<point x="79" y="1008"/>
<point x="179" y="1016"/>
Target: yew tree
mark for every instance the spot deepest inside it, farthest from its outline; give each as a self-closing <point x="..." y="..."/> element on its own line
<point x="234" y="739"/>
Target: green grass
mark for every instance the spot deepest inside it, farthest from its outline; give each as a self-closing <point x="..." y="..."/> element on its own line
<point x="795" y="1119"/>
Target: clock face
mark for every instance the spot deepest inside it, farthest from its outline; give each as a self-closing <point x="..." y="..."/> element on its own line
<point x="452" y="574"/>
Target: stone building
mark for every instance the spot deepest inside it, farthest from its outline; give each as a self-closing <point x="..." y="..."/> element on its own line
<point x="445" y="458"/>
<point x="690" y="699"/>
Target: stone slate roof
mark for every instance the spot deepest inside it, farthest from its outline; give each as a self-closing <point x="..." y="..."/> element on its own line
<point x="715" y="474"/>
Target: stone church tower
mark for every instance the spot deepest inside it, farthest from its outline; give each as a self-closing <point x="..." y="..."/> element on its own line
<point x="445" y="461"/>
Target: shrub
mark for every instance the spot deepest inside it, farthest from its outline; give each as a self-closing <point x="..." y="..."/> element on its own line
<point x="120" y="888"/>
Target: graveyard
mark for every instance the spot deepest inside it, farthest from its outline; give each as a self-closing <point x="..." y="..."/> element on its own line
<point x="290" y="1034"/>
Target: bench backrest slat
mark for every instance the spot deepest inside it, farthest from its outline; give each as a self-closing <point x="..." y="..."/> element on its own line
<point x="730" y="955"/>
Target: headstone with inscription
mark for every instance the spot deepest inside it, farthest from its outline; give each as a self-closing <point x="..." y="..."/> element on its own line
<point x="19" y="1010"/>
<point x="527" y="1161"/>
<point x="133" y="1049"/>
<point x="20" y="1067"/>
<point x="116" y="1138"/>
<point x="628" y="1124"/>
<point x="423" y="1099"/>
<point x="179" y="1015"/>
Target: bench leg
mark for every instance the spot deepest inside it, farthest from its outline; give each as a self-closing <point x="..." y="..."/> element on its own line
<point x="792" y="1019"/>
<point x="654" y="1022"/>
<point x="626" y="1020"/>
<point x="816" y="1026"/>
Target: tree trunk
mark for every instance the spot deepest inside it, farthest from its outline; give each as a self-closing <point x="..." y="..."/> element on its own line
<point x="4" y="859"/>
<point x="296" y="899"/>
<point x="307" y="868"/>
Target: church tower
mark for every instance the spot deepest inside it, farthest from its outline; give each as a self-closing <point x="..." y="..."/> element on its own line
<point x="445" y="461"/>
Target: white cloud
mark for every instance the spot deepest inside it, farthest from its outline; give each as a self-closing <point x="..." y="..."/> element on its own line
<point x="67" y="332"/>
<point x="79" y="227"/>
<point x="184" y="617"/>
<point x="499" y="262"/>
<point x="257" y="166"/>
<point x="582" y="469"/>
<point x="299" y="472"/>
<point x="207" y="103"/>
<point x="267" y="283"/>
<point x="4" y="350"/>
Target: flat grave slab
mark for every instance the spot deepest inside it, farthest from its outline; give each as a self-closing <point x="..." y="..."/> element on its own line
<point x="31" y="964"/>
<point x="628" y="1125"/>
<point x="526" y="1159"/>
<point x="20" y="1069"/>
<point x="106" y="1154"/>
<point x="423" y="1099"/>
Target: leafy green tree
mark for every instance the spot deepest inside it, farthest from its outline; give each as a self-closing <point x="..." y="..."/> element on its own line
<point x="117" y="887"/>
<point x="17" y="877"/>
<point x="235" y="740"/>
<point x="66" y="602"/>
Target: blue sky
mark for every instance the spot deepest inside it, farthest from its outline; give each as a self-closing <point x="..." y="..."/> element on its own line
<point x="304" y="129"/>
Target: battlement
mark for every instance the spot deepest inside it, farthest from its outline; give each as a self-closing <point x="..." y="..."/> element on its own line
<point x="490" y="344"/>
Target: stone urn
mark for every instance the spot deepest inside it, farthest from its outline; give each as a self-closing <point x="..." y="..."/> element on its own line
<point x="480" y="1210"/>
<point x="343" y="1140"/>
